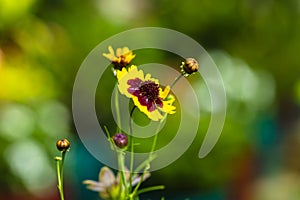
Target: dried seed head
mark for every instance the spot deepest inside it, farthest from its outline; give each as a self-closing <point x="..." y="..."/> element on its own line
<point x="120" y="140"/>
<point x="189" y="66"/>
<point x="63" y="145"/>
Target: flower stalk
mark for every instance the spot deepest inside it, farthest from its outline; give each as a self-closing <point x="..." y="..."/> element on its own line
<point x="123" y="180"/>
<point x="63" y="146"/>
<point x="59" y="170"/>
<point x="131" y="148"/>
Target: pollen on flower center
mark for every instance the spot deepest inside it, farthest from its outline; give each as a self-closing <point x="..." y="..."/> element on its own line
<point x="150" y="90"/>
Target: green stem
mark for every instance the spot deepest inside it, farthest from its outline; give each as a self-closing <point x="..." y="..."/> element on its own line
<point x="122" y="172"/>
<point x="61" y="193"/>
<point x="150" y="157"/>
<point x="176" y="80"/>
<point x="63" y="154"/>
<point x="131" y="148"/>
<point x="60" y="170"/>
<point x="144" y="164"/>
<point x="117" y="110"/>
<point x="148" y="189"/>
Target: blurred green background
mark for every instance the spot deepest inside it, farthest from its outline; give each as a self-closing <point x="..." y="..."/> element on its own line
<point x="255" y="44"/>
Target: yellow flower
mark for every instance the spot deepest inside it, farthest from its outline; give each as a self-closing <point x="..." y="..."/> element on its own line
<point x="121" y="58"/>
<point x="145" y="93"/>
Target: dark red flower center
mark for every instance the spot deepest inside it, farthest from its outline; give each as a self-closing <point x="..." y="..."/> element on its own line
<point x="150" y="90"/>
<point x="147" y="93"/>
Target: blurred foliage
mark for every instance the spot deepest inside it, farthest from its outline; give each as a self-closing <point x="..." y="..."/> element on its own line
<point x="42" y="44"/>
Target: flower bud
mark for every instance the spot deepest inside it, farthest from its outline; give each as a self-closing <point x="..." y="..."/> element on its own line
<point x="120" y="140"/>
<point x="189" y="66"/>
<point x="63" y="145"/>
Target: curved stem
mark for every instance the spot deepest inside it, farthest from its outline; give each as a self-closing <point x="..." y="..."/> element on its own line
<point x="176" y="80"/>
<point x="148" y="189"/>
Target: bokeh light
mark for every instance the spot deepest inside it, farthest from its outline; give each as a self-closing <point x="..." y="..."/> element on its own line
<point x="27" y="160"/>
<point x="255" y="45"/>
<point x="16" y="122"/>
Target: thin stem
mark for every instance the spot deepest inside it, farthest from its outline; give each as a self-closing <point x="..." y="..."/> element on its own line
<point x="144" y="164"/>
<point x="155" y="139"/>
<point x="150" y="155"/>
<point x="131" y="148"/>
<point x="176" y="80"/>
<point x="148" y="189"/>
<point x="122" y="172"/>
<point x="117" y="110"/>
<point x="131" y="113"/>
<point x="63" y="154"/>
<point x="59" y="186"/>
<point x="110" y="140"/>
<point x="59" y="170"/>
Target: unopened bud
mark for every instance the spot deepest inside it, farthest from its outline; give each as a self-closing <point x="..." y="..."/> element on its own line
<point x="189" y="66"/>
<point x="63" y="145"/>
<point x="120" y="140"/>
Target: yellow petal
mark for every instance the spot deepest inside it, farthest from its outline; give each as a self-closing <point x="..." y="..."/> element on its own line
<point x="129" y="57"/>
<point x="148" y="78"/>
<point x="111" y="50"/>
<point x="167" y="108"/>
<point x="109" y="56"/>
<point x="122" y="85"/>
<point x="165" y="93"/>
<point x="121" y="74"/>
<point x="154" y="115"/>
<point x="125" y="50"/>
<point x="133" y="73"/>
<point x="119" y="52"/>
<point x="123" y="77"/>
